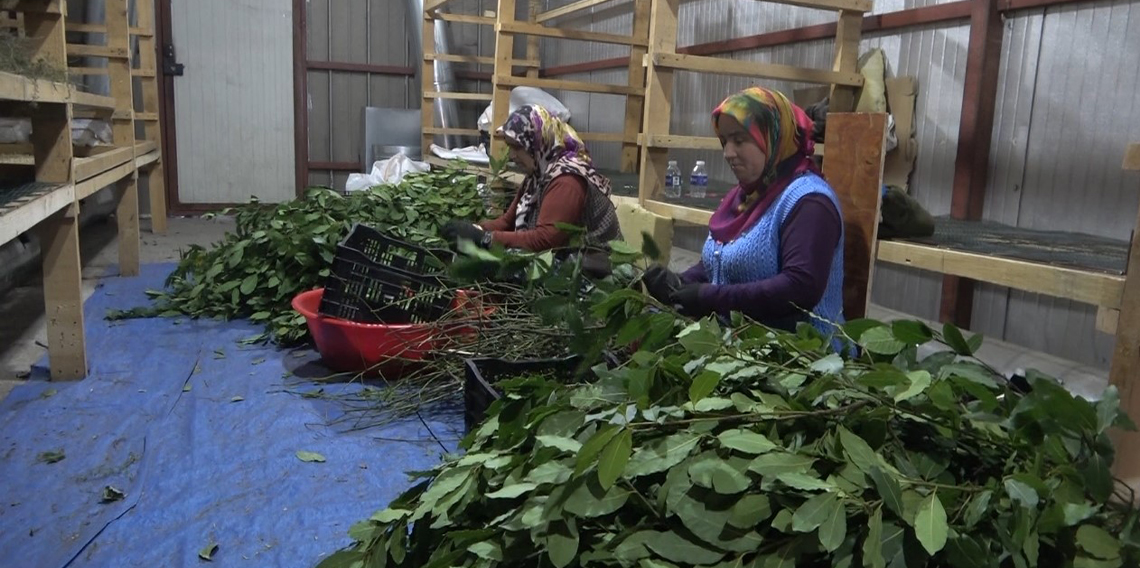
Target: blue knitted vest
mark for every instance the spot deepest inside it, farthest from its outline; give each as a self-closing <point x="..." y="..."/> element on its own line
<point x="755" y="254"/>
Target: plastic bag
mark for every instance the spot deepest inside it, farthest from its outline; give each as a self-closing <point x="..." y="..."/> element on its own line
<point x="470" y="154"/>
<point x="391" y="170"/>
<point x="522" y="96"/>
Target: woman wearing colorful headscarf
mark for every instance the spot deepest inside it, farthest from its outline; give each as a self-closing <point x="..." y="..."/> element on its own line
<point x="561" y="186"/>
<point x="775" y="245"/>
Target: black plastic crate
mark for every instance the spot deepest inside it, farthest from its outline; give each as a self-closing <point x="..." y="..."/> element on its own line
<point x="360" y="290"/>
<point x="481" y="374"/>
<point x="395" y="254"/>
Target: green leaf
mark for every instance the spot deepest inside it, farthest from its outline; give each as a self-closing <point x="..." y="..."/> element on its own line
<point x="237" y="399"/>
<point x="979" y="506"/>
<point x="873" y="544"/>
<point x="919" y="381"/>
<point x="512" y="491"/>
<point x="207" y="553"/>
<point x="773" y="464"/>
<point x="562" y="443"/>
<point x="881" y="341"/>
<point x="343" y="559"/>
<point x="703" y="341"/>
<point x="965" y="551"/>
<point x="488" y="550"/>
<point x="712" y="472"/>
<point x="712" y="404"/>
<point x="1022" y="493"/>
<point x="589" y="499"/>
<point x="814" y="512"/>
<point x="834" y="528"/>
<point x="614" y="459"/>
<point x="857" y="327"/>
<point x="889" y="490"/>
<point x="562" y="543"/>
<point x="310" y="456"/>
<point x="858" y="451"/>
<point x="911" y="332"/>
<point x="672" y="546"/>
<point x="593" y="447"/>
<point x="249" y="284"/>
<point x="111" y="494"/>
<point x="549" y="472"/>
<point x="703" y="385"/>
<point x="749" y="510"/>
<point x="390" y="515"/>
<point x="930" y="524"/>
<point x="661" y="454"/>
<point x="1076" y="513"/>
<point x="1098" y="542"/>
<point x="746" y="441"/>
<point x="953" y="337"/>
<point x="805" y="482"/>
<point x="829" y="365"/>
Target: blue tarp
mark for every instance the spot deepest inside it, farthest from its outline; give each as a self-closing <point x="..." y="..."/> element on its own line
<point x="157" y="418"/>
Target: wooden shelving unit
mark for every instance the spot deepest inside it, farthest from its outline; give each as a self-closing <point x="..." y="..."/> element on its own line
<point x="45" y="180"/>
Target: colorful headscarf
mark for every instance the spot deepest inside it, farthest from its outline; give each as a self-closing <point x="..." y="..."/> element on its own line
<point x="784" y="131"/>
<point x="557" y="149"/>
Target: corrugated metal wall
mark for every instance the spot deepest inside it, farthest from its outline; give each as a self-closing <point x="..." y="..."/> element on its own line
<point x="373" y="32"/>
<point x="1066" y="110"/>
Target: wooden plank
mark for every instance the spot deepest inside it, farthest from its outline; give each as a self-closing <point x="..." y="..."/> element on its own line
<point x="1132" y="158"/>
<point x="855" y="172"/>
<point x="479" y="59"/>
<point x="1125" y="368"/>
<point x="87" y="168"/>
<point x="462" y="18"/>
<point x="93" y="100"/>
<point x="1094" y="288"/>
<point x="846" y="59"/>
<point x="458" y="96"/>
<point x="92" y="185"/>
<point x="82" y="49"/>
<point x="149" y="116"/>
<point x="427" y="85"/>
<point x="144" y="32"/>
<point x="658" y="99"/>
<point x="579" y="86"/>
<point x="607" y="137"/>
<point x="430" y="5"/>
<point x="51" y="139"/>
<point x="146" y="160"/>
<point x="24" y="216"/>
<point x="457" y="131"/>
<point x="146" y="73"/>
<point x="63" y="295"/>
<point x="577" y="35"/>
<point x="635" y="106"/>
<point x="504" y="53"/>
<point x="127" y="217"/>
<point x="857" y="6"/>
<point x="690" y="215"/>
<point x="145" y="147"/>
<point x="121" y="86"/>
<point x="87" y="71"/>
<point x="1107" y="320"/>
<point x="533" y="43"/>
<point x="50" y="7"/>
<point x="567" y="10"/>
<point x="717" y="65"/>
<point x="17" y="88"/>
<point x="86" y="28"/>
<point x="675" y="141"/>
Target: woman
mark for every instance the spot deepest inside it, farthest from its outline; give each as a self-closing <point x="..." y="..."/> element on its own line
<point x="561" y="186"/>
<point x="775" y="245"/>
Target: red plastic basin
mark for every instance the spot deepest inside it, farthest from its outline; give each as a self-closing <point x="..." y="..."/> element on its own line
<point x="347" y="346"/>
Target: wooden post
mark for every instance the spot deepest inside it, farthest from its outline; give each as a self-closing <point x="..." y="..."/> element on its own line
<point x="127" y="215"/>
<point x="658" y="98"/>
<point x="971" y="167"/>
<point x="63" y="294"/>
<point x="1124" y="373"/>
<point x="533" y="45"/>
<point x="847" y="34"/>
<point x="123" y="133"/>
<point x="854" y="168"/>
<point x="635" y="105"/>
<point x="501" y="94"/>
<point x="152" y="128"/>
<point x="427" y="84"/>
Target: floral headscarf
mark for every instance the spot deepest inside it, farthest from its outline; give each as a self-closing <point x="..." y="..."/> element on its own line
<point x="784" y="131"/>
<point x="556" y="149"/>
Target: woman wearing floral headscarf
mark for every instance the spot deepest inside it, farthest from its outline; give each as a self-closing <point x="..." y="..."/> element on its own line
<point x="775" y="244"/>
<point x="561" y="186"/>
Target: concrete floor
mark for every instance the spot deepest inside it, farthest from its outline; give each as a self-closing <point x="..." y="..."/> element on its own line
<point x="22" y="332"/>
<point x="22" y="322"/>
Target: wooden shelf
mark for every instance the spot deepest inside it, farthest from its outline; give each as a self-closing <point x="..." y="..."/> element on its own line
<point x="720" y="66"/>
<point x="22" y="89"/>
<point x="23" y="214"/>
<point x="578" y="86"/>
<point x="521" y="28"/>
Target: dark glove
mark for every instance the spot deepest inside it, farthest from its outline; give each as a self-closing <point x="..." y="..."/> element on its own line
<point x="687" y="299"/>
<point x="596" y="264"/>
<point x="456" y="230"/>
<point x="661" y="282"/>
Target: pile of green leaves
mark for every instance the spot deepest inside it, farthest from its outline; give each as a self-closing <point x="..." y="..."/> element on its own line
<point x="751" y="447"/>
<point x="276" y="252"/>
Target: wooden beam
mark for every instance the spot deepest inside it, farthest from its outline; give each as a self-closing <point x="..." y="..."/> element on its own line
<point x="457" y="131"/>
<point x="522" y="28"/>
<point x="427" y="85"/>
<point x="1132" y="158"/>
<point x="430" y="5"/>
<point x="559" y="84"/>
<point x="658" y="99"/>
<point x="51" y="138"/>
<point x="846" y="59"/>
<point x="458" y="96"/>
<point x="1107" y="320"/>
<point x="127" y="218"/>
<point x="92" y="185"/>
<point x="975" y="131"/>
<point x="300" y="97"/>
<point x="844" y="5"/>
<point x="63" y="295"/>
<point x="18" y="88"/>
<point x="568" y="9"/>
<point x="462" y="18"/>
<point x="635" y="106"/>
<point x="674" y="141"/>
<point x="82" y="49"/>
<point x="86" y="168"/>
<point x="347" y="67"/>
<point x="1098" y="289"/>
<point x="703" y="64"/>
<point x="607" y="137"/>
<point x="29" y="211"/>
<point x="691" y="215"/>
<point x="479" y="59"/>
<point x="1124" y="372"/>
<point x="86" y="28"/>
<point x="855" y="171"/>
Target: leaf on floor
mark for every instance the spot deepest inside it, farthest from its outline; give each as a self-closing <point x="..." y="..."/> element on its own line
<point x="186" y="387"/>
<point x="219" y="354"/>
<point x="111" y="494"/>
<point x="49" y="393"/>
<point x="51" y="457"/>
<point x="310" y="456"/>
<point x="207" y="552"/>
<point x="237" y="399"/>
<point x="258" y="361"/>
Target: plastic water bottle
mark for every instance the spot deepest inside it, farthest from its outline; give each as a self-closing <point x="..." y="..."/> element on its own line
<point x="699" y="181"/>
<point x="673" y="180"/>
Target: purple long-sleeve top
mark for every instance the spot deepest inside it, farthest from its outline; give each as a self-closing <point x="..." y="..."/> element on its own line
<point x="808" y="239"/>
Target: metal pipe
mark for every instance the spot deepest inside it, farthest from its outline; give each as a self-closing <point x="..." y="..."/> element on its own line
<point x="446" y="110"/>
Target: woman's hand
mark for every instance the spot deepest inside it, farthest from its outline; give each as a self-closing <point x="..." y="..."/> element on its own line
<point x="688" y="299"/>
<point x="661" y="282"/>
<point x="457" y="229"/>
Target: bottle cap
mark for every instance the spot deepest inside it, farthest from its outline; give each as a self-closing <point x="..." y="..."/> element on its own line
<point x="671" y="162"/>
<point x="699" y="162"/>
